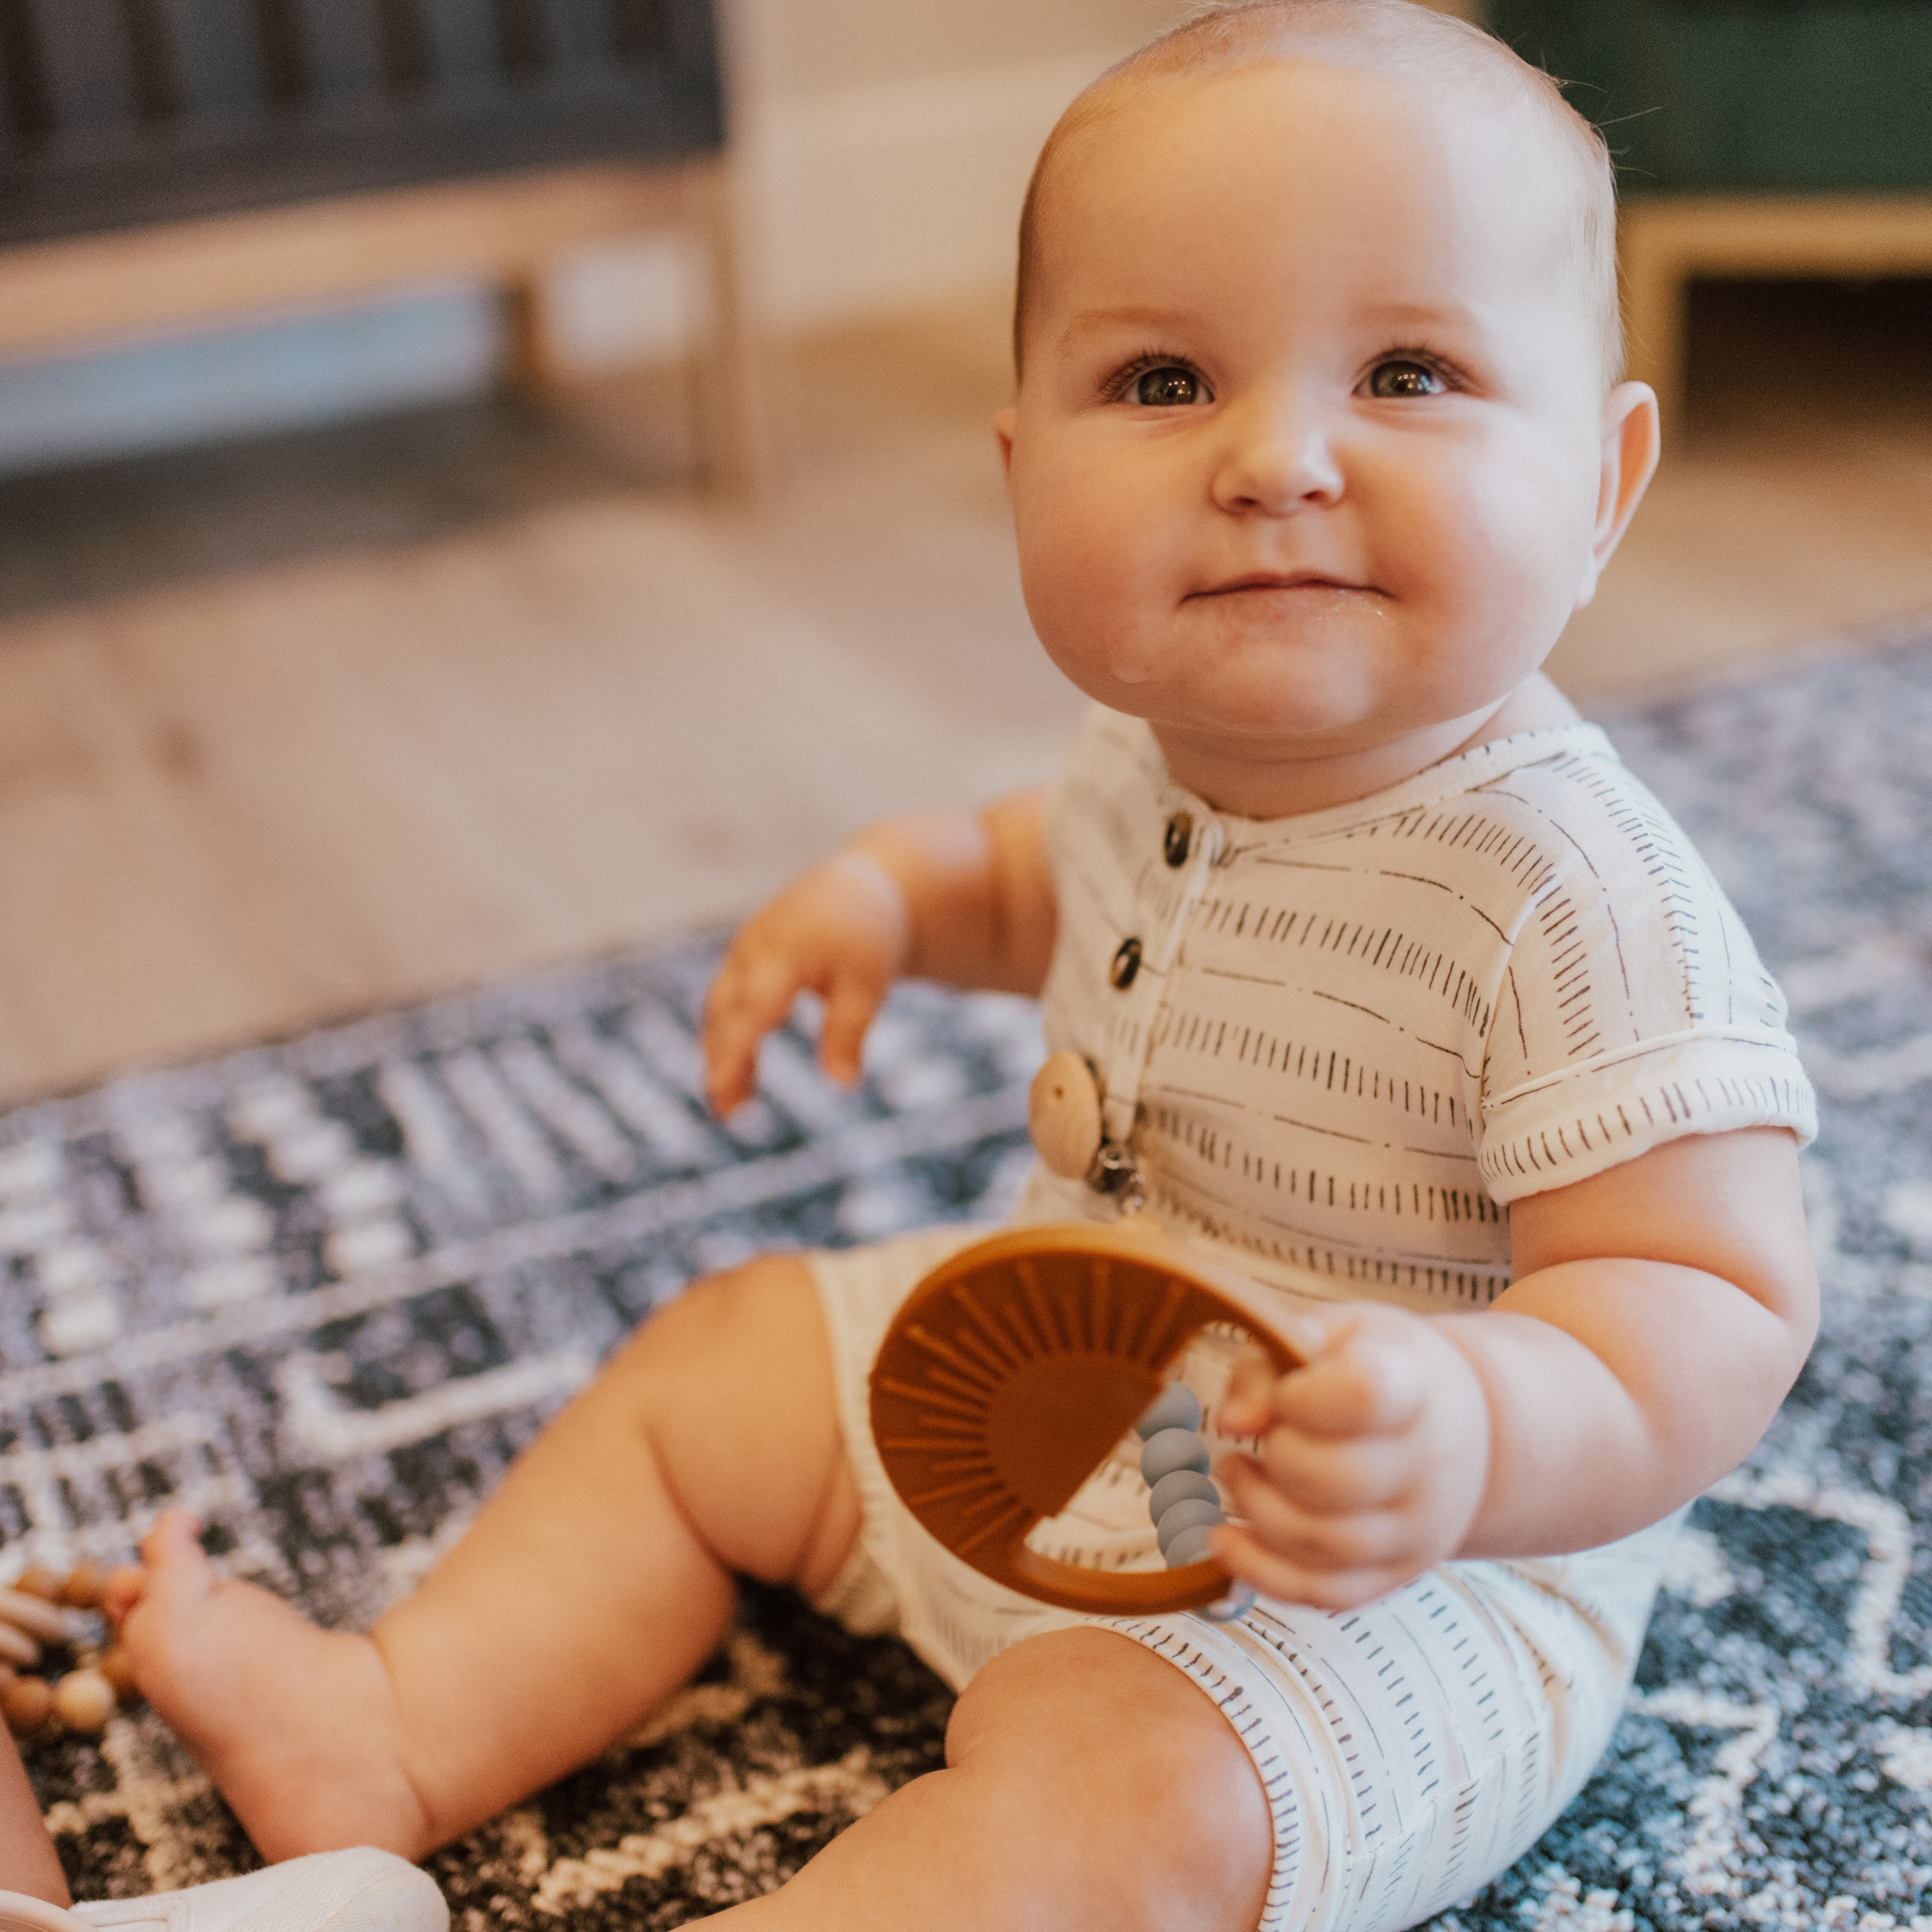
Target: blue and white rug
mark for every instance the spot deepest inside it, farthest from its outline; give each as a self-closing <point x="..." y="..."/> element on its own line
<point x="322" y="1292"/>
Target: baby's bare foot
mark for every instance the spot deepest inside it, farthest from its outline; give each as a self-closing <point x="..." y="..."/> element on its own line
<point x="295" y="1725"/>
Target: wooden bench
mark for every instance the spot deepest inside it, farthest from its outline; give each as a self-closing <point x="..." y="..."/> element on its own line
<point x="1752" y="138"/>
<point x="167" y="164"/>
<point x="1666" y="242"/>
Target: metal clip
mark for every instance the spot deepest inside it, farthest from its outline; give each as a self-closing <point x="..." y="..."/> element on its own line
<point x="1115" y="1170"/>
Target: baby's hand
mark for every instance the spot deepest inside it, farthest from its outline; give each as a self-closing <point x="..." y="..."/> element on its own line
<point x="840" y="931"/>
<point x="1371" y="1459"/>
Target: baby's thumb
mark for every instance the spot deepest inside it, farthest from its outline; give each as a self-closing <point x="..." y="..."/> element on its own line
<point x="1247" y="1407"/>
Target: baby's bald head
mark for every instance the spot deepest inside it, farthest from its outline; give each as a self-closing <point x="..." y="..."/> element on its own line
<point x="1406" y="42"/>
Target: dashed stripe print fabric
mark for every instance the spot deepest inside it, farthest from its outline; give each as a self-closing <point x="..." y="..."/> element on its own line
<point x="1352" y="1038"/>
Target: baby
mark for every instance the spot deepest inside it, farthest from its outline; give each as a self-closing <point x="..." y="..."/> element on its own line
<point x="1400" y="993"/>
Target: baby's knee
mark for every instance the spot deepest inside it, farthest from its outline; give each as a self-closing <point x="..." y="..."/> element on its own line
<point x="768" y="1302"/>
<point x="732" y="1386"/>
<point x="1087" y="1734"/>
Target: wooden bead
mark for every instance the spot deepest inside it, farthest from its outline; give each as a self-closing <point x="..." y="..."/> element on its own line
<point x="40" y="1582"/>
<point x="28" y="1703"/>
<point x="118" y="1668"/>
<point x="35" y="1615"/>
<point x="84" y="1584"/>
<point x="84" y="1700"/>
<point x="1063" y="1115"/>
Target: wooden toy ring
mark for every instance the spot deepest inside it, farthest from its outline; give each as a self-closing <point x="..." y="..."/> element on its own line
<point x="1013" y="1368"/>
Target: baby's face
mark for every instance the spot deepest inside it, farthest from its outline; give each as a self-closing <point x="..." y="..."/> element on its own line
<point x="1307" y="453"/>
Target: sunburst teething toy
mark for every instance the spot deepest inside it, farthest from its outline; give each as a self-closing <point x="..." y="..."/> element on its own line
<point x="1015" y="1367"/>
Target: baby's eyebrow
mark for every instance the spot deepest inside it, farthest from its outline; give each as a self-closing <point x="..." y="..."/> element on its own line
<point x="1419" y="314"/>
<point x="1127" y="315"/>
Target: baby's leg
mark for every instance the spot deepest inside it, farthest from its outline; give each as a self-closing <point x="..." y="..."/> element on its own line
<point x="594" y="1582"/>
<point x="1089" y="1784"/>
<point x="29" y="1863"/>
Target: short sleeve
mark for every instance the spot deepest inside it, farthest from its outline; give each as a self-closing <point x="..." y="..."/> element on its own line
<point x="1634" y="1008"/>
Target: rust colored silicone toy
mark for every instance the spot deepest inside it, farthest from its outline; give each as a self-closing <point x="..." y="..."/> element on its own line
<point x="1013" y="1371"/>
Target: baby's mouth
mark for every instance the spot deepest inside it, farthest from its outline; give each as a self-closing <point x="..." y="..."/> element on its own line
<point x="1264" y="580"/>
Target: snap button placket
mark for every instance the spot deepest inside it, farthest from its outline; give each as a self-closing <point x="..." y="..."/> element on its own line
<point x="1115" y="1170"/>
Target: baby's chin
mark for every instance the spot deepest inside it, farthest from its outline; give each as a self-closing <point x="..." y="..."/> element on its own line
<point x="1260" y="708"/>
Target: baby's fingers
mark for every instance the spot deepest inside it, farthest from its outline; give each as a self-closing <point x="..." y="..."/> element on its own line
<point x="1294" y="1524"/>
<point x="1331" y="1473"/>
<point x="1247" y="1407"/>
<point x="1367" y="1385"/>
<point x="748" y="999"/>
<point x="849" y="1008"/>
<point x="1289" y="1580"/>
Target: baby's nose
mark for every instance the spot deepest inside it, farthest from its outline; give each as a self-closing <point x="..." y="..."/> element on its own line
<point x="1278" y="458"/>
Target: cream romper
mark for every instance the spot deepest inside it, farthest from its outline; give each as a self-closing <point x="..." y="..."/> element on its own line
<point x="1340" y="1045"/>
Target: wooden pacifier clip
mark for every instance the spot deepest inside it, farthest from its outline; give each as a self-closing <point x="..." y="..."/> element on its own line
<point x="1066" y="1120"/>
<point x="1015" y="1367"/>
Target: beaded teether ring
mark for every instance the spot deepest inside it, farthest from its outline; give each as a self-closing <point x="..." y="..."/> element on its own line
<point x="37" y="1615"/>
<point x="1015" y="1367"/>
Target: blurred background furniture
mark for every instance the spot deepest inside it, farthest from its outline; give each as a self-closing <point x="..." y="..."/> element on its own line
<point x="1754" y="138"/>
<point x="167" y="164"/>
<point x="305" y="714"/>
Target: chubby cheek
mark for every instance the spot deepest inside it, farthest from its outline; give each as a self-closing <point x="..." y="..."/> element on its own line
<point x="1092" y="571"/>
<point x="1499" y="570"/>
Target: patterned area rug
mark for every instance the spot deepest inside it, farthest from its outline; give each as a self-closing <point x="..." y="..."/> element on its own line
<point x="322" y="1293"/>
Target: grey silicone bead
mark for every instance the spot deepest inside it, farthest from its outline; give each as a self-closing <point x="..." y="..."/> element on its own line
<point x="1171" y="1450"/>
<point x="1172" y="1489"/>
<point x="1174" y="1407"/>
<point x="1237" y="1603"/>
<point x="1190" y="1546"/>
<point x="1195" y="1512"/>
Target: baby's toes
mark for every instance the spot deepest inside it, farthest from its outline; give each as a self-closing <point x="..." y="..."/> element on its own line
<point x="122" y="1591"/>
<point x="176" y="1576"/>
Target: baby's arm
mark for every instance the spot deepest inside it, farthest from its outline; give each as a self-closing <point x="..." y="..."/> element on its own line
<point x="1659" y="1313"/>
<point x="965" y="898"/>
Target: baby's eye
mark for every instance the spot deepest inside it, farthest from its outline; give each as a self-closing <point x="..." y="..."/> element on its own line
<point x="1169" y="386"/>
<point x="1401" y="378"/>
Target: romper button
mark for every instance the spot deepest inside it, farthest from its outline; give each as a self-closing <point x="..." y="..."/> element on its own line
<point x="1127" y="962"/>
<point x="1180" y="829"/>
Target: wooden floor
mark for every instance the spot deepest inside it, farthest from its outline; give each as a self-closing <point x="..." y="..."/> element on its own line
<point x="303" y="727"/>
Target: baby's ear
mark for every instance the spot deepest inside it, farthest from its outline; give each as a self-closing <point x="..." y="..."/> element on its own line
<point x="1629" y="459"/>
<point x="1003" y="433"/>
